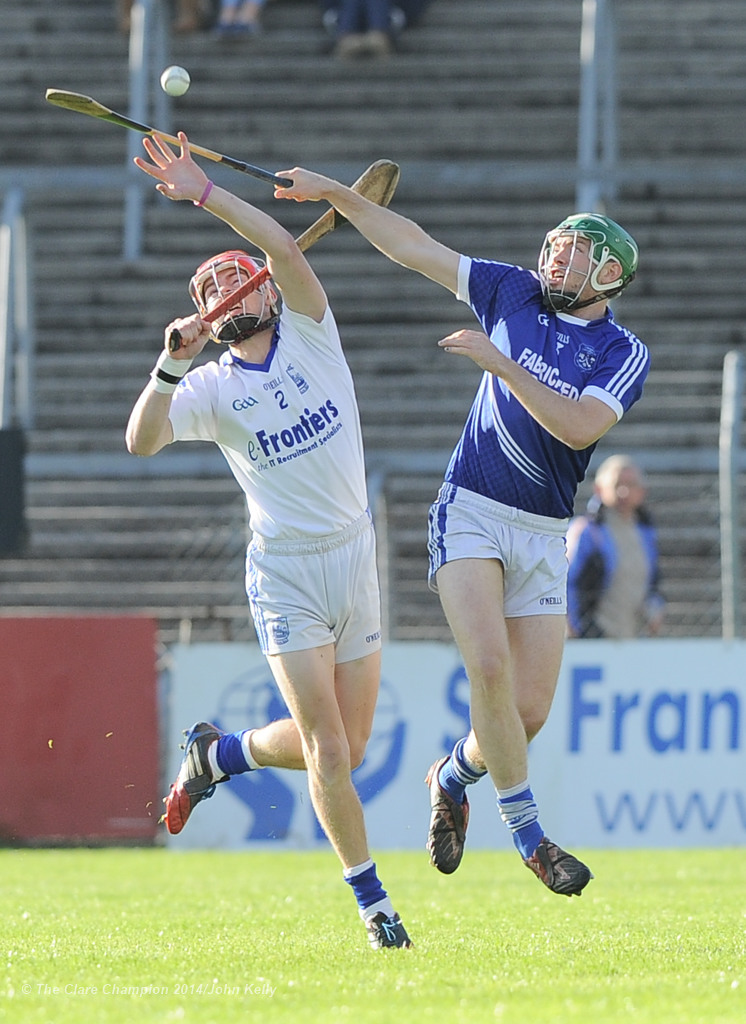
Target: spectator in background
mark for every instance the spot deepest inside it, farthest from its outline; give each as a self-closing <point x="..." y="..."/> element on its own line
<point x="188" y="15"/>
<point x="612" y="584"/>
<point x="369" y="27"/>
<point x="412" y="10"/>
<point x="239" y="17"/>
<point x="363" y="28"/>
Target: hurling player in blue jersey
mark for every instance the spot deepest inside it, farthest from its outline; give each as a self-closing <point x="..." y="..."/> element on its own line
<point x="558" y="373"/>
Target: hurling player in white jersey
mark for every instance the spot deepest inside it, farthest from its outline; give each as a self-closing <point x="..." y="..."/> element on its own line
<point x="281" y="406"/>
<point x="558" y="374"/>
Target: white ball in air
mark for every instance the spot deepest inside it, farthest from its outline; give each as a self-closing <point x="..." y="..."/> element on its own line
<point x="175" y="80"/>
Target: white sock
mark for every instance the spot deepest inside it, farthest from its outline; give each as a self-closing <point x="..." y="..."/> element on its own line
<point x="357" y="869"/>
<point x="384" y="905"/>
<point x="212" y="760"/>
<point x="246" y="749"/>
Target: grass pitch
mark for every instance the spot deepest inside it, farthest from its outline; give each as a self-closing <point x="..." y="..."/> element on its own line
<point x="150" y="935"/>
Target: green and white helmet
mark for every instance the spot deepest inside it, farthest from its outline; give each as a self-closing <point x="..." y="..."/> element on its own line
<point x="609" y="242"/>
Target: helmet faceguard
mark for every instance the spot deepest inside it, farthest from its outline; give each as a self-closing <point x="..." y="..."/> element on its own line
<point x="235" y="326"/>
<point x="608" y="243"/>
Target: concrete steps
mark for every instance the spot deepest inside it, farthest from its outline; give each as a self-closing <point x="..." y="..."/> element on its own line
<point x="469" y="90"/>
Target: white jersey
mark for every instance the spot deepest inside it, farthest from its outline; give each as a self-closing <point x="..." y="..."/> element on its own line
<point x="288" y="428"/>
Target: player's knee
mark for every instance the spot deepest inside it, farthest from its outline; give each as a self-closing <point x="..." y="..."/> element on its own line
<point x="533" y="721"/>
<point x="330" y="757"/>
<point x="357" y="751"/>
<point x="489" y="671"/>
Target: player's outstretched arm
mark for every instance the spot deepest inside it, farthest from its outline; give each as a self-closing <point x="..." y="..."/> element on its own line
<point x="395" y="236"/>
<point x="180" y="178"/>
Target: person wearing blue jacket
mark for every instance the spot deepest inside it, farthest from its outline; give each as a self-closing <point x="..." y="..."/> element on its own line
<point x="613" y="579"/>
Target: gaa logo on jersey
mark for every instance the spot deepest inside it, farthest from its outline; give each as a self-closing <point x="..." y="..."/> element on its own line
<point x="241" y="404"/>
<point x="280" y="630"/>
<point x="585" y="357"/>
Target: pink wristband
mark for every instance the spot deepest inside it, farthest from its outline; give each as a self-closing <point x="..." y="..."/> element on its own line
<point x="205" y="195"/>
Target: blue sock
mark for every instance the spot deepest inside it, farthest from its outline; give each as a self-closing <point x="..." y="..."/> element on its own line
<point x="367" y="887"/>
<point x="458" y="773"/>
<point x="519" y="812"/>
<point x="230" y="756"/>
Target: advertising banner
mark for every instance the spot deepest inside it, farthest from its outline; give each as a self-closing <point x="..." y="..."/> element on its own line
<point x="644" y="747"/>
<point x="646" y="744"/>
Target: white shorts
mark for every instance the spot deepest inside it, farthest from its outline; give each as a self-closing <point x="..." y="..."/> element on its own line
<point x="311" y="593"/>
<point x="463" y="524"/>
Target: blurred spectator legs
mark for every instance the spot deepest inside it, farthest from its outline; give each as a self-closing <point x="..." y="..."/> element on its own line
<point x="239" y="17"/>
<point x="188" y="15"/>
<point x="359" y="27"/>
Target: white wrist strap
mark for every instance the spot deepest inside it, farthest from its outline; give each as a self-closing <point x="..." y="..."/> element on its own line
<point x="168" y="372"/>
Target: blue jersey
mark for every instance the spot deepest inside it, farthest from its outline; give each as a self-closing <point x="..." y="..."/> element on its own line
<point x="503" y="453"/>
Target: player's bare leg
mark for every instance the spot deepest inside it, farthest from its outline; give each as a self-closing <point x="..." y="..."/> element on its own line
<point x="278" y="744"/>
<point x="448" y="777"/>
<point x="332" y="707"/>
<point x="536" y="644"/>
<point x="306" y="680"/>
<point x="319" y="693"/>
<point x="471" y="592"/>
<point x="212" y="756"/>
<point x="537" y="656"/>
<point x="512" y="667"/>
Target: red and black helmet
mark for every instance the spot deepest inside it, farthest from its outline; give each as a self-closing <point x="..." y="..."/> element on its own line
<point x="236" y="326"/>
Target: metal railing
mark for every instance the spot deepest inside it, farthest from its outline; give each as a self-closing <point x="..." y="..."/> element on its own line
<point x="16" y="316"/>
<point x="148" y="55"/>
<point x="731" y="418"/>
<point x="597" y="109"/>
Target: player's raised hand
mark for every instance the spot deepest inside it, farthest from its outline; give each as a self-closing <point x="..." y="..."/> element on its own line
<point x="307" y="186"/>
<point x="185" y="337"/>
<point x="178" y="176"/>
<point x="476" y="346"/>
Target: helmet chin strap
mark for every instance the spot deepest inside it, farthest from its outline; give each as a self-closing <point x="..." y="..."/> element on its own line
<point x="236" y="329"/>
<point x="239" y="328"/>
<point x="558" y="302"/>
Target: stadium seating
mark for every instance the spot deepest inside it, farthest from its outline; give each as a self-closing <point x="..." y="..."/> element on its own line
<point x="479" y="106"/>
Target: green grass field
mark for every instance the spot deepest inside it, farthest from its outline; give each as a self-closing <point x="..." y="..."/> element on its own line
<point x="153" y="935"/>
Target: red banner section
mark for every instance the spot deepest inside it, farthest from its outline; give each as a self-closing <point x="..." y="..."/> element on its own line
<point x="79" y="754"/>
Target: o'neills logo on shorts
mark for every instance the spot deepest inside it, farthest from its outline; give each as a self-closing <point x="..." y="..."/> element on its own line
<point x="280" y="630"/>
<point x="550" y="600"/>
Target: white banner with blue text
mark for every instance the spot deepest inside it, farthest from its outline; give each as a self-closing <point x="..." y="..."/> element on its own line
<point x="644" y="747"/>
